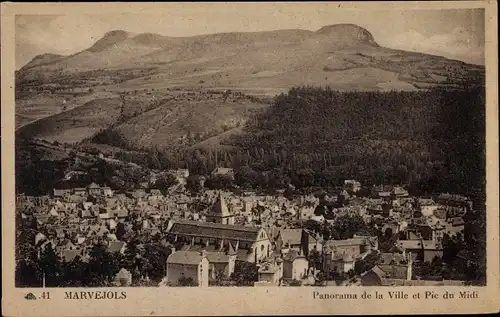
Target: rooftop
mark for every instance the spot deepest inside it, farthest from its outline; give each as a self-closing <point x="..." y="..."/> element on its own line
<point x="214" y="230"/>
<point x="447" y="196"/>
<point x="115" y="246"/>
<point x="392" y="258"/>
<point x="291" y="236"/>
<point x="335" y="243"/>
<point x="93" y="186"/>
<point x="222" y="170"/>
<point x="185" y="257"/>
<point x="123" y="273"/>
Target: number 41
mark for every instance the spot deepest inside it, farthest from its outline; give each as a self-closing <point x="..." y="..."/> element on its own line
<point x="45" y="295"/>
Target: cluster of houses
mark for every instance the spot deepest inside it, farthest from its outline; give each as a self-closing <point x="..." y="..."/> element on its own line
<point x="210" y="233"/>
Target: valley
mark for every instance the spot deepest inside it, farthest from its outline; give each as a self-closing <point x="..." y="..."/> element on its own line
<point x="324" y="133"/>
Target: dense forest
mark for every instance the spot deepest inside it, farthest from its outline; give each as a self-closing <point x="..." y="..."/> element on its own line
<point x="434" y="139"/>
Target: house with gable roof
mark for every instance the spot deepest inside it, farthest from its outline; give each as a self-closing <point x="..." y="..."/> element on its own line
<point x="352" y="185"/>
<point x="341" y="255"/>
<point x="123" y="278"/>
<point x="188" y="264"/>
<point x="455" y="205"/>
<point x="381" y="191"/>
<point x="223" y="171"/>
<point x="79" y="191"/>
<point x="270" y="273"/>
<point x="342" y="262"/>
<point x="61" y="192"/>
<point x="423" y="250"/>
<point x="296" y="239"/>
<point x="394" y="269"/>
<point x="399" y="192"/>
<point x="94" y="189"/>
<point x="295" y="266"/>
<point x="107" y="191"/>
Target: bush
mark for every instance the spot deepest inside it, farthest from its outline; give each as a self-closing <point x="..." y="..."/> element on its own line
<point x="186" y="281"/>
<point x="295" y="282"/>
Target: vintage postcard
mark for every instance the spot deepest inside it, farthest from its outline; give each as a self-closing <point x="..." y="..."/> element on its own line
<point x="249" y="158"/>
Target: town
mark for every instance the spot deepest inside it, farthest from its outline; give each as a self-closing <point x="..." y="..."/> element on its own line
<point x="172" y="235"/>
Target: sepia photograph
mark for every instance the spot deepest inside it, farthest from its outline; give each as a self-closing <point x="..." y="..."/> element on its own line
<point x="250" y="145"/>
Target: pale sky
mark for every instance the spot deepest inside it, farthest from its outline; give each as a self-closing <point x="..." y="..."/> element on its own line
<point x="457" y="34"/>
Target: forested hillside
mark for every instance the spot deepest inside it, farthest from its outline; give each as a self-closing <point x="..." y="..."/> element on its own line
<point x="433" y="139"/>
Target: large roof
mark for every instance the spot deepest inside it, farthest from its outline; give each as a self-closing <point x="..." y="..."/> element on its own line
<point x="214" y="230"/>
<point x="291" y="236"/>
<point x="333" y="244"/>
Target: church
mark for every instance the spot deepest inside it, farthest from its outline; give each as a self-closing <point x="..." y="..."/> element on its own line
<point x="251" y="244"/>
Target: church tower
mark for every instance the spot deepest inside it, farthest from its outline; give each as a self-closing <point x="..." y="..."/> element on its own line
<point x="220" y="213"/>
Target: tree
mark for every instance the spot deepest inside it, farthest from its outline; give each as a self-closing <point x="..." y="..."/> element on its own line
<point x="26" y="274"/>
<point x="246" y="177"/>
<point x="367" y="263"/>
<point x="346" y="226"/>
<point x="156" y="256"/>
<point x="326" y="230"/>
<point x="74" y="273"/>
<point x="315" y="259"/>
<point x="319" y="279"/>
<point x="165" y="182"/>
<point x="245" y="273"/>
<point x="193" y="183"/>
<point x="129" y="260"/>
<point x="320" y="210"/>
<point x="220" y="182"/>
<point x="295" y="282"/>
<point x="313" y="226"/>
<point x="103" y="266"/>
<point x="120" y="230"/>
<point x="50" y="266"/>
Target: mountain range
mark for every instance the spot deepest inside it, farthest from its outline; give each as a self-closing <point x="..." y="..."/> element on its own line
<point x="156" y="91"/>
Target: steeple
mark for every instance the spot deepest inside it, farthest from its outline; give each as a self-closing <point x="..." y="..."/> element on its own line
<point x="220" y="212"/>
